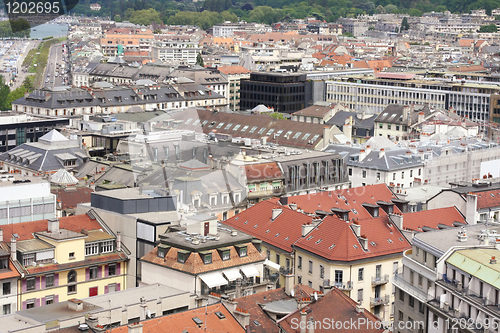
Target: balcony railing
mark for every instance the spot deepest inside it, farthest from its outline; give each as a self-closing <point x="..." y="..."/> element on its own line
<point x="417" y="267"/>
<point x="263" y="193"/>
<point x="285" y="270"/>
<point x="410" y="289"/>
<point x="382" y="300"/>
<point x="380" y="280"/>
<point x="341" y="285"/>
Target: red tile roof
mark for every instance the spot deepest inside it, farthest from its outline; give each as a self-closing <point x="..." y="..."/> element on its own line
<point x="183" y="321"/>
<point x="231" y="70"/>
<point x="354" y="197"/>
<point x="25" y="230"/>
<point x="93" y="260"/>
<point x="431" y="218"/>
<point x="10" y="273"/>
<point x="334" y="239"/>
<point x="252" y="305"/>
<point x="71" y="198"/>
<point x="488" y="199"/>
<point x="334" y="305"/>
<point x="263" y="171"/>
<point x="195" y="265"/>
<point x="282" y="232"/>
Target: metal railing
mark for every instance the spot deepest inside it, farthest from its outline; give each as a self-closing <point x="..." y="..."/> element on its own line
<point x="380" y="280"/>
<point x="344" y="286"/>
<point x="382" y="300"/>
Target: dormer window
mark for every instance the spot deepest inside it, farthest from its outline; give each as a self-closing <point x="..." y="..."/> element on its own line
<point x="242" y="250"/>
<point x="182" y="256"/>
<point x="225" y="253"/>
<point x="207" y="257"/>
<point x="162" y="250"/>
<point x="4" y="263"/>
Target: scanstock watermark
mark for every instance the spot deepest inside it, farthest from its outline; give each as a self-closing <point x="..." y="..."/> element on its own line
<point x="354" y="324"/>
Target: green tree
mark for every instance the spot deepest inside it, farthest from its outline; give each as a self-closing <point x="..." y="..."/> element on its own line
<point x="199" y="60"/>
<point x="15" y="95"/>
<point x="277" y="115"/>
<point x="404" y="24"/>
<point x="380" y="9"/>
<point x="117" y="18"/>
<point x="389" y="9"/>
<point x="4" y="94"/>
<point x="145" y="17"/>
<point x="488" y="28"/>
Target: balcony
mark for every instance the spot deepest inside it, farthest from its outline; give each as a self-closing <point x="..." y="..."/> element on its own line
<point x="382" y="300"/>
<point x="410" y="289"/>
<point x="339" y="285"/>
<point x="285" y="271"/>
<point x="265" y="193"/>
<point x="417" y="267"/>
<point x="377" y="281"/>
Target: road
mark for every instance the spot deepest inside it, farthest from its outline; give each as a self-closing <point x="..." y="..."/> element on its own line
<point x="56" y="57"/>
<point x="18" y="49"/>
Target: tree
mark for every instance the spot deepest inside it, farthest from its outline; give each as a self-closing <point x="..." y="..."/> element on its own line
<point x="4" y="93"/>
<point x="145" y="17"/>
<point x="117" y="18"/>
<point x="488" y="28"/>
<point x="389" y="9"/>
<point x="277" y="115"/>
<point x="404" y="24"/>
<point x="199" y="60"/>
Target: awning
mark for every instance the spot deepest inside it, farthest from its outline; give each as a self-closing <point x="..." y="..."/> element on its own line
<point x="249" y="271"/>
<point x="271" y="264"/>
<point x="214" y="279"/>
<point x="232" y="274"/>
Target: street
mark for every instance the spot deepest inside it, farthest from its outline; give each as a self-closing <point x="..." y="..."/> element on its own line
<point x="55" y="72"/>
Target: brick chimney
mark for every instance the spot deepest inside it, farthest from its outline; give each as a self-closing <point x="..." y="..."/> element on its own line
<point x="135" y="328"/>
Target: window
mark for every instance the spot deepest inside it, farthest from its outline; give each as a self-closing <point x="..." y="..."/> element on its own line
<point x="30" y="284"/>
<point x="321" y="271"/>
<point x="361" y="272"/>
<point x="49" y="281"/>
<point x="207" y="258"/>
<point x="378" y="175"/>
<point x="261" y="130"/>
<point x="72" y="255"/>
<point x="411" y="173"/>
<point x="394" y="176"/>
<point x="107" y="246"/>
<point x="364" y="173"/>
<point x="112" y="269"/>
<point x="402" y="175"/>
<point x="299" y="266"/>
<point x="310" y="284"/>
<point x="278" y="259"/>
<point x="6" y="288"/>
<point x="388" y="126"/>
<point x="310" y="267"/>
<point x="30" y="303"/>
<point x="339" y="276"/>
<point x="420" y="280"/>
<point x="6" y="309"/>
<point x="268" y="254"/>
<point x="49" y="299"/>
<point x="243" y="251"/>
<point x="350" y="171"/>
<point x="28" y="259"/>
<point x="401" y="316"/>
<point x="296" y="135"/>
<point x="378" y="270"/>
<point x="420" y="307"/>
<point x="299" y="279"/>
<point x="93" y="272"/>
<point x="225" y="255"/>
<point x="401" y="295"/>
<point x="411" y="277"/>
<point x="360" y="295"/>
<point x="244" y="128"/>
<point x="181" y="257"/>
<point x="411" y="301"/>
<point x="4" y="263"/>
<point x="92" y="248"/>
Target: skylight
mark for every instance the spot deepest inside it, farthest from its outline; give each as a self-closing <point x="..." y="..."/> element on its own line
<point x="318" y="241"/>
<point x="277" y="234"/>
<point x="389" y="240"/>
<point x="309" y="238"/>
<point x="331" y="246"/>
<point x="246" y="222"/>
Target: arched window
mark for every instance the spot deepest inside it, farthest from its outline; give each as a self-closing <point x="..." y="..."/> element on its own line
<point x="72" y="282"/>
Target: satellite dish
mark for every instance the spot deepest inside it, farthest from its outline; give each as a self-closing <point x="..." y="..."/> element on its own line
<point x="292" y="292"/>
<point x="315" y="296"/>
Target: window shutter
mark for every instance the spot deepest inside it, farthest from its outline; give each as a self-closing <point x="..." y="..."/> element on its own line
<point x="87" y="274"/>
<point x="24" y="287"/>
<point x="118" y="265"/>
<point x="37" y="283"/>
<point x="56" y="298"/>
<point x="43" y="284"/>
<point x="106" y="290"/>
<point x="99" y="272"/>
<point x="37" y="302"/>
<point x="117" y="287"/>
<point x="106" y="271"/>
<point x="56" y="281"/>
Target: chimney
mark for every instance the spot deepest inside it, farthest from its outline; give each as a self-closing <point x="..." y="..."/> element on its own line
<point x="364" y="242"/>
<point x="135" y="328"/>
<point x="289" y="283"/>
<point x="75" y="304"/>
<point x="493" y="260"/>
<point x="326" y="136"/>
<point x="310" y="325"/>
<point x="356" y="228"/>
<point x="293" y="206"/>
<point x="397" y="220"/>
<point x="362" y="155"/>
<point x="406" y="110"/>
<point x="421" y="117"/>
<point x="306" y="228"/>
<point x="13" y="248"/>
<point x="53" y="225"/>
<point x="118" y="241"/>
<point x="359" y="309"/>
<point x="471" y="208"/>
<point x="276" y="213"/>
<point x="303" y="323"/>
<point x="347" y="128"/>
<point x="242" y="316"/>
<point x="381" y="153"/>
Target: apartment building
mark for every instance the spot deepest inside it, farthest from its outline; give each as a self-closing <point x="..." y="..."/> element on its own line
<point x="175" y="52"/>
<point x="202" y="257"/>
<point x="397" y="122"/>
<point x="57" y="264"/>
<point x="234" y="75"/>
<point x="127" y="41"/>
<point x="439" y="280"/>
<point x="209" y="78"/>
<point x="471" y="100"/>
<point x="9" y="275"/>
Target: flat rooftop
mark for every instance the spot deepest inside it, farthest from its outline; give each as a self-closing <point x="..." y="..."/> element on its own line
<point x="440" y="241"/>
<point x="13" y="323"/>
<point x="7" y="179"/>
<point x="56" y="311"/>
<point x="127" y="194"/>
